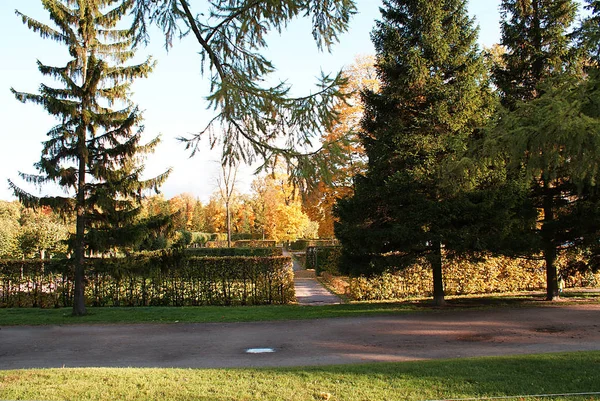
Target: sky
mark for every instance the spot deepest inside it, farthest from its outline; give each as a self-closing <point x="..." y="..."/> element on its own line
<point x="173" y="96"/>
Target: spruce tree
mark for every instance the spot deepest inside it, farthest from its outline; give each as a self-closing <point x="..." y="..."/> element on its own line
<point x="94" y="153"/>
<point x="535" y="36"/>
<point x="434" y="96"/>
<point x="589" y="33"/>
<point x="545" y="132"/>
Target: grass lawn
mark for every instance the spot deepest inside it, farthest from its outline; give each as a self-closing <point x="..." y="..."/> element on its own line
<point x="424" y="380"/>
<point x="206" y="314"/>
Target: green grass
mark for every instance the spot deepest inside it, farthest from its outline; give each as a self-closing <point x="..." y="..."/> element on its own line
<point x="428" y="380"/>
<point x="202" y="314"/>
<point x="208" y="314"/>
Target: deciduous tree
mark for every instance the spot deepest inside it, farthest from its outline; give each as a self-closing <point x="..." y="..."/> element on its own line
<point x="253" y="120"/>
<point x="348" y="158"/>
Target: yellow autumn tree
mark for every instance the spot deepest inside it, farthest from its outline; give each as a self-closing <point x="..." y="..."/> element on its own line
<point x="278" y="207"/>
<point x="318" y="202"/>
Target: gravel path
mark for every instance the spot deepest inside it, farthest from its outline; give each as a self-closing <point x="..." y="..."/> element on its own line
<point x="309" y="291"/>
<point x="411" y="336"/>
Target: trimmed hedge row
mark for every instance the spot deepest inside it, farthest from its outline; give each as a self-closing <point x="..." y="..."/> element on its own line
<point x="221" y="252"/>
<point x="303" y="244"/>
<point x="255" y="243"/>
<point x="165" y="278"/>
<point x="323" y="259"/>
<point x="493" y="275"/>
<point x="489" y="275"/>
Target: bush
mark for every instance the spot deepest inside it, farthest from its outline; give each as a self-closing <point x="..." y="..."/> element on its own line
<point x="156" y="278"/>
<point x="303" y="244"/>
<point x="499" y="274"/>
<point x="489" y="275"/>
<point x="234" y="251"/>
<point x="255" y="243"/>
<point x="323" y="259"/>
<point x="199" y="238"/>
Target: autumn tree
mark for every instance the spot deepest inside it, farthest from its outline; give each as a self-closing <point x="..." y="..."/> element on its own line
<point x="433" y="98"/>
<point x="181" y="207"/>
<point x="42" y="233"/>
<point x="94" y="152"/>
<point x="280" y="207"/>
<point x="226" y="183"/>
<point x="214" y="215"/>
<point x="348" y="158"/>
<point x="10" y="214"/>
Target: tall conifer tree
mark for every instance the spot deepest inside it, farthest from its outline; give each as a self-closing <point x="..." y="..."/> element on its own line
<point x="545" y="131"/>
<point x="94" y="153"/>
<point x="535" y="35"/>
<point x="433" y="98"/>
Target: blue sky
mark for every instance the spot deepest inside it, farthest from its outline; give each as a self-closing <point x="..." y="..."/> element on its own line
<point x="173" y="95"/>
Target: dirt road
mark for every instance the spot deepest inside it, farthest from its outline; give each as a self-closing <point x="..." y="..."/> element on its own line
<point x="424" y="335"/>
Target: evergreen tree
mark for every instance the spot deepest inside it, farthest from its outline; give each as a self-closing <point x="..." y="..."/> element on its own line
<point x="546" y="133"/>
<point x="434" y="96"/>
<point x="94" y="153"/>
<point x="534" y="33"/>
<point x="589" y="32"/>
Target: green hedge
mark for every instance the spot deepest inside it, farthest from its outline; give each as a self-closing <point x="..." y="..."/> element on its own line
<point x="323" y="259"/>
<point x="255" y="243"/>
<point x="234" y="251"/>
<point x="160" y="278"/>
<point x="303" y="244"/>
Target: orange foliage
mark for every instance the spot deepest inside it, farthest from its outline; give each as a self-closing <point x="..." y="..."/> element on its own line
<point x="319" y="201"/>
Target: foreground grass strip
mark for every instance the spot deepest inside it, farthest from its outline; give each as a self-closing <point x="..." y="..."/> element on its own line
<point x="201" y="314"/>
<point x="429" y="380"/>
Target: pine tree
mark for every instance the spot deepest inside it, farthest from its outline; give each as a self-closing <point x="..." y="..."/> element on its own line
<point x="94" y="153"/>
<point x="433" y="98"/>
<point x="545" y="133"/>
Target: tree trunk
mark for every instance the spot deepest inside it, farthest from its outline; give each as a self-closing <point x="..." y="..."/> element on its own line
<point x="79" y="259"/>
<point x="435" y="258"/>
<point x="228" y="224"/>
<point x="549" y="246"/>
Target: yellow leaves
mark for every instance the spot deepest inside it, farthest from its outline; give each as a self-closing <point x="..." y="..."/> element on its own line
<point x="347" y="156"/>
<point x="282" y="215"/>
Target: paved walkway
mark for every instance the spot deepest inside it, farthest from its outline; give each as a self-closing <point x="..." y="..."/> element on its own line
<point x="309" y="291"/>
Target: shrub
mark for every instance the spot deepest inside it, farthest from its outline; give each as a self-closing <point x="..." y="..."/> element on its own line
<point x="245" y="236"/>
<point x="303" y="244"/>
<point x="461" y="276"/>
<point x="255" y="243"/>
<point x="234" y="251"/>
<point x="154" y="278"/>
<point x="323" y="259"/>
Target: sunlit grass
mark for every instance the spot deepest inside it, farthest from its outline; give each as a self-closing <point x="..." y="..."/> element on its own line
<point x="428" y="380"/>
<point x="206" y="314"/>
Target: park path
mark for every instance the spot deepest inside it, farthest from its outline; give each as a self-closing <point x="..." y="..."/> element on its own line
<point x="309" y="291"/>
<point x="393" y="338"/>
